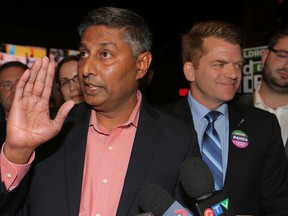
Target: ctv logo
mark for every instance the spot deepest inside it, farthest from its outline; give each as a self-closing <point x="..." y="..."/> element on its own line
<point x="217" y="209"/>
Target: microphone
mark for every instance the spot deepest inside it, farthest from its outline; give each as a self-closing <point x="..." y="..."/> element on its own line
<point x="197" y="181"/>
<point x="145" y="214"/>
<point x="155" y="199"/>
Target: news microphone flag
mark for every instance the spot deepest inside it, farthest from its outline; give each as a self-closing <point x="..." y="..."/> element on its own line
<point x="176" y="209"/>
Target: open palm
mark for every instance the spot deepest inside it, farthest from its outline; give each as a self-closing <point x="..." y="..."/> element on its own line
<point x="29" y="124"/>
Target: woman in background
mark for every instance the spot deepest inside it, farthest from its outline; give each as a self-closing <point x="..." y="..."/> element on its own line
<point x="66" y="79"/>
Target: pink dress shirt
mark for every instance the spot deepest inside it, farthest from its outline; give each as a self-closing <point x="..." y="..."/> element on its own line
<point x="106" y="162"/>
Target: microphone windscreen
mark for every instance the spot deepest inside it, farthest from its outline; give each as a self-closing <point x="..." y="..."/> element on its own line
<point x="196" y="177"/>
<point x="153" y="198"/>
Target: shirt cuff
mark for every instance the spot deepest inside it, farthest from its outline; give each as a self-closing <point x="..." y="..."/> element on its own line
<point x="11" y="173"/>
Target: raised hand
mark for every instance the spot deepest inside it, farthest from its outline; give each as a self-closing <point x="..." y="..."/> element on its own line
<point x="29" y="124"/>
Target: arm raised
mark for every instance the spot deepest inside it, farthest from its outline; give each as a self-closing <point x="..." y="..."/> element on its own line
<point x="29" y="124"/>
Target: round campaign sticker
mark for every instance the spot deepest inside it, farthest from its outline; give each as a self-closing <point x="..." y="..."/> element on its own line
<point x="240" y="139"/>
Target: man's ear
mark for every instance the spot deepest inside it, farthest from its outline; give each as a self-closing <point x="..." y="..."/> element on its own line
<point x="143" y="63"/>
<point x="264" y="55"/>
<point x="188" y="70"/>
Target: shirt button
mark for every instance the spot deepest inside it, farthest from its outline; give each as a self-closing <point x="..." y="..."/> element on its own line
<point x="110" y="148"/>
<point x="8" y="175"/>
<point x="105" y="181"/>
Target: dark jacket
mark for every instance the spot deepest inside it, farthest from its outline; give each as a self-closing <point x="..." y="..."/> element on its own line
<point x="160" y="146"/>
<point x="2" y="127"/>
<point x="257" y="176"/>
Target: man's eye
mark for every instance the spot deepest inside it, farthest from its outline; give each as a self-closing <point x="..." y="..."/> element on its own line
<point x="239" y="66"/>
<point x="218" y="65"/>
<point x="105" y="54"/>
<point x="282" y="55"/>
<point x="6" y="85"/>
<point x="83" y="54"/>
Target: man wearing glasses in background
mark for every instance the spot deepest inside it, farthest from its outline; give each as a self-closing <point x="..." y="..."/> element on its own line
<point x="10" y="73"/>
<point x="272" y="93"/>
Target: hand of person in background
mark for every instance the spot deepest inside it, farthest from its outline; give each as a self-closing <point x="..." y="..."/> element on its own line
<point x="29" y="124"/>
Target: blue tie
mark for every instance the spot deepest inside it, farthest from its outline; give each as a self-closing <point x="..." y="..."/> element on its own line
<point x="212" y="149"/>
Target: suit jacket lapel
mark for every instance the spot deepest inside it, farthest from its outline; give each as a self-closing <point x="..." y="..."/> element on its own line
<point x="145" y="144"/>
<point x="75" y="146"/>
<point x="286" y="148"/>
<point x="236" y="122"/>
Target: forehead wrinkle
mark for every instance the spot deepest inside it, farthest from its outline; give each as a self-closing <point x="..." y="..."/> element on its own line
<point x="101" y="44"/>
<point x="108" y="44"/>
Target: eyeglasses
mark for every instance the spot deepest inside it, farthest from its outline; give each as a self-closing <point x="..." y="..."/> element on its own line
<point x="280" y="54"/>
<point x="8" y="84"/>
<point x="65" y="82"/>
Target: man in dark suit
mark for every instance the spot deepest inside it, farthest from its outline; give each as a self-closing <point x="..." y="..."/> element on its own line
<point x="253" y="162"/>
<point x="97" y="160"/>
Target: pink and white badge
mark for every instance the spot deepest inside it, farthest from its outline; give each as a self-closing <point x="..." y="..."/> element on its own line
<point x="240" y="139"/>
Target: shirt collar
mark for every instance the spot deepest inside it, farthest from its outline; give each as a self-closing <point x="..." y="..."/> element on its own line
<point x="132" y="120"/>
<point x="258" y="101"/>
<point x="199" y="111"/>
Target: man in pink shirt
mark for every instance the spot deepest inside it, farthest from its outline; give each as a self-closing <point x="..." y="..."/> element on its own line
<point x="95" y="160"/>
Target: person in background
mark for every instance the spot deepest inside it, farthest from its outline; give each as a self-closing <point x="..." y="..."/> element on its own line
<point x="2" y="126"/>
<point x="67" y="81"/>
<point x="10" y="73"/>
<point x="95" y="160"/>
<point x="272" y="92"/>
<point x="252" y="158"/>
<point x="55" y="55"/>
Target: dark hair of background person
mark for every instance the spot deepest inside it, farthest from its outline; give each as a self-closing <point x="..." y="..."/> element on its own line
<point x="13" y="64"/>
<point x="275" y="36"/>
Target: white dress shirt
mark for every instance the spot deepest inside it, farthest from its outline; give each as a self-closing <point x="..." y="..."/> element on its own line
<point x="281" y="113"/>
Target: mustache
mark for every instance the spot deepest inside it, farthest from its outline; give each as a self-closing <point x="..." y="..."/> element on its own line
<point x="284" y="68"/>
<point x="91" y="81"/>
<point x="88" y="78"/>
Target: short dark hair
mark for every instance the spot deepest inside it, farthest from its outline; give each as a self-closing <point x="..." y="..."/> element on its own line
<point x="278" y="34"/>
<point x="192" y="42"/>
<point x="137" y="33"/>
<point x="13" y="64"/>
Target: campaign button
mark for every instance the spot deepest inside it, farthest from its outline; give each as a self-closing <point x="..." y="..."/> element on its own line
<point x="240" y="139"/>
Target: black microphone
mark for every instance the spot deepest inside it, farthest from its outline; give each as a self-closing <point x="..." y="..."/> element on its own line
<point x="197" y="181"/>
<point x="145" y="214"/>
<point x="155" y="199"/>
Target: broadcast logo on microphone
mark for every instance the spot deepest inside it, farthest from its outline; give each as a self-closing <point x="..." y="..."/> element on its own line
<point x="199" y="186"/>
